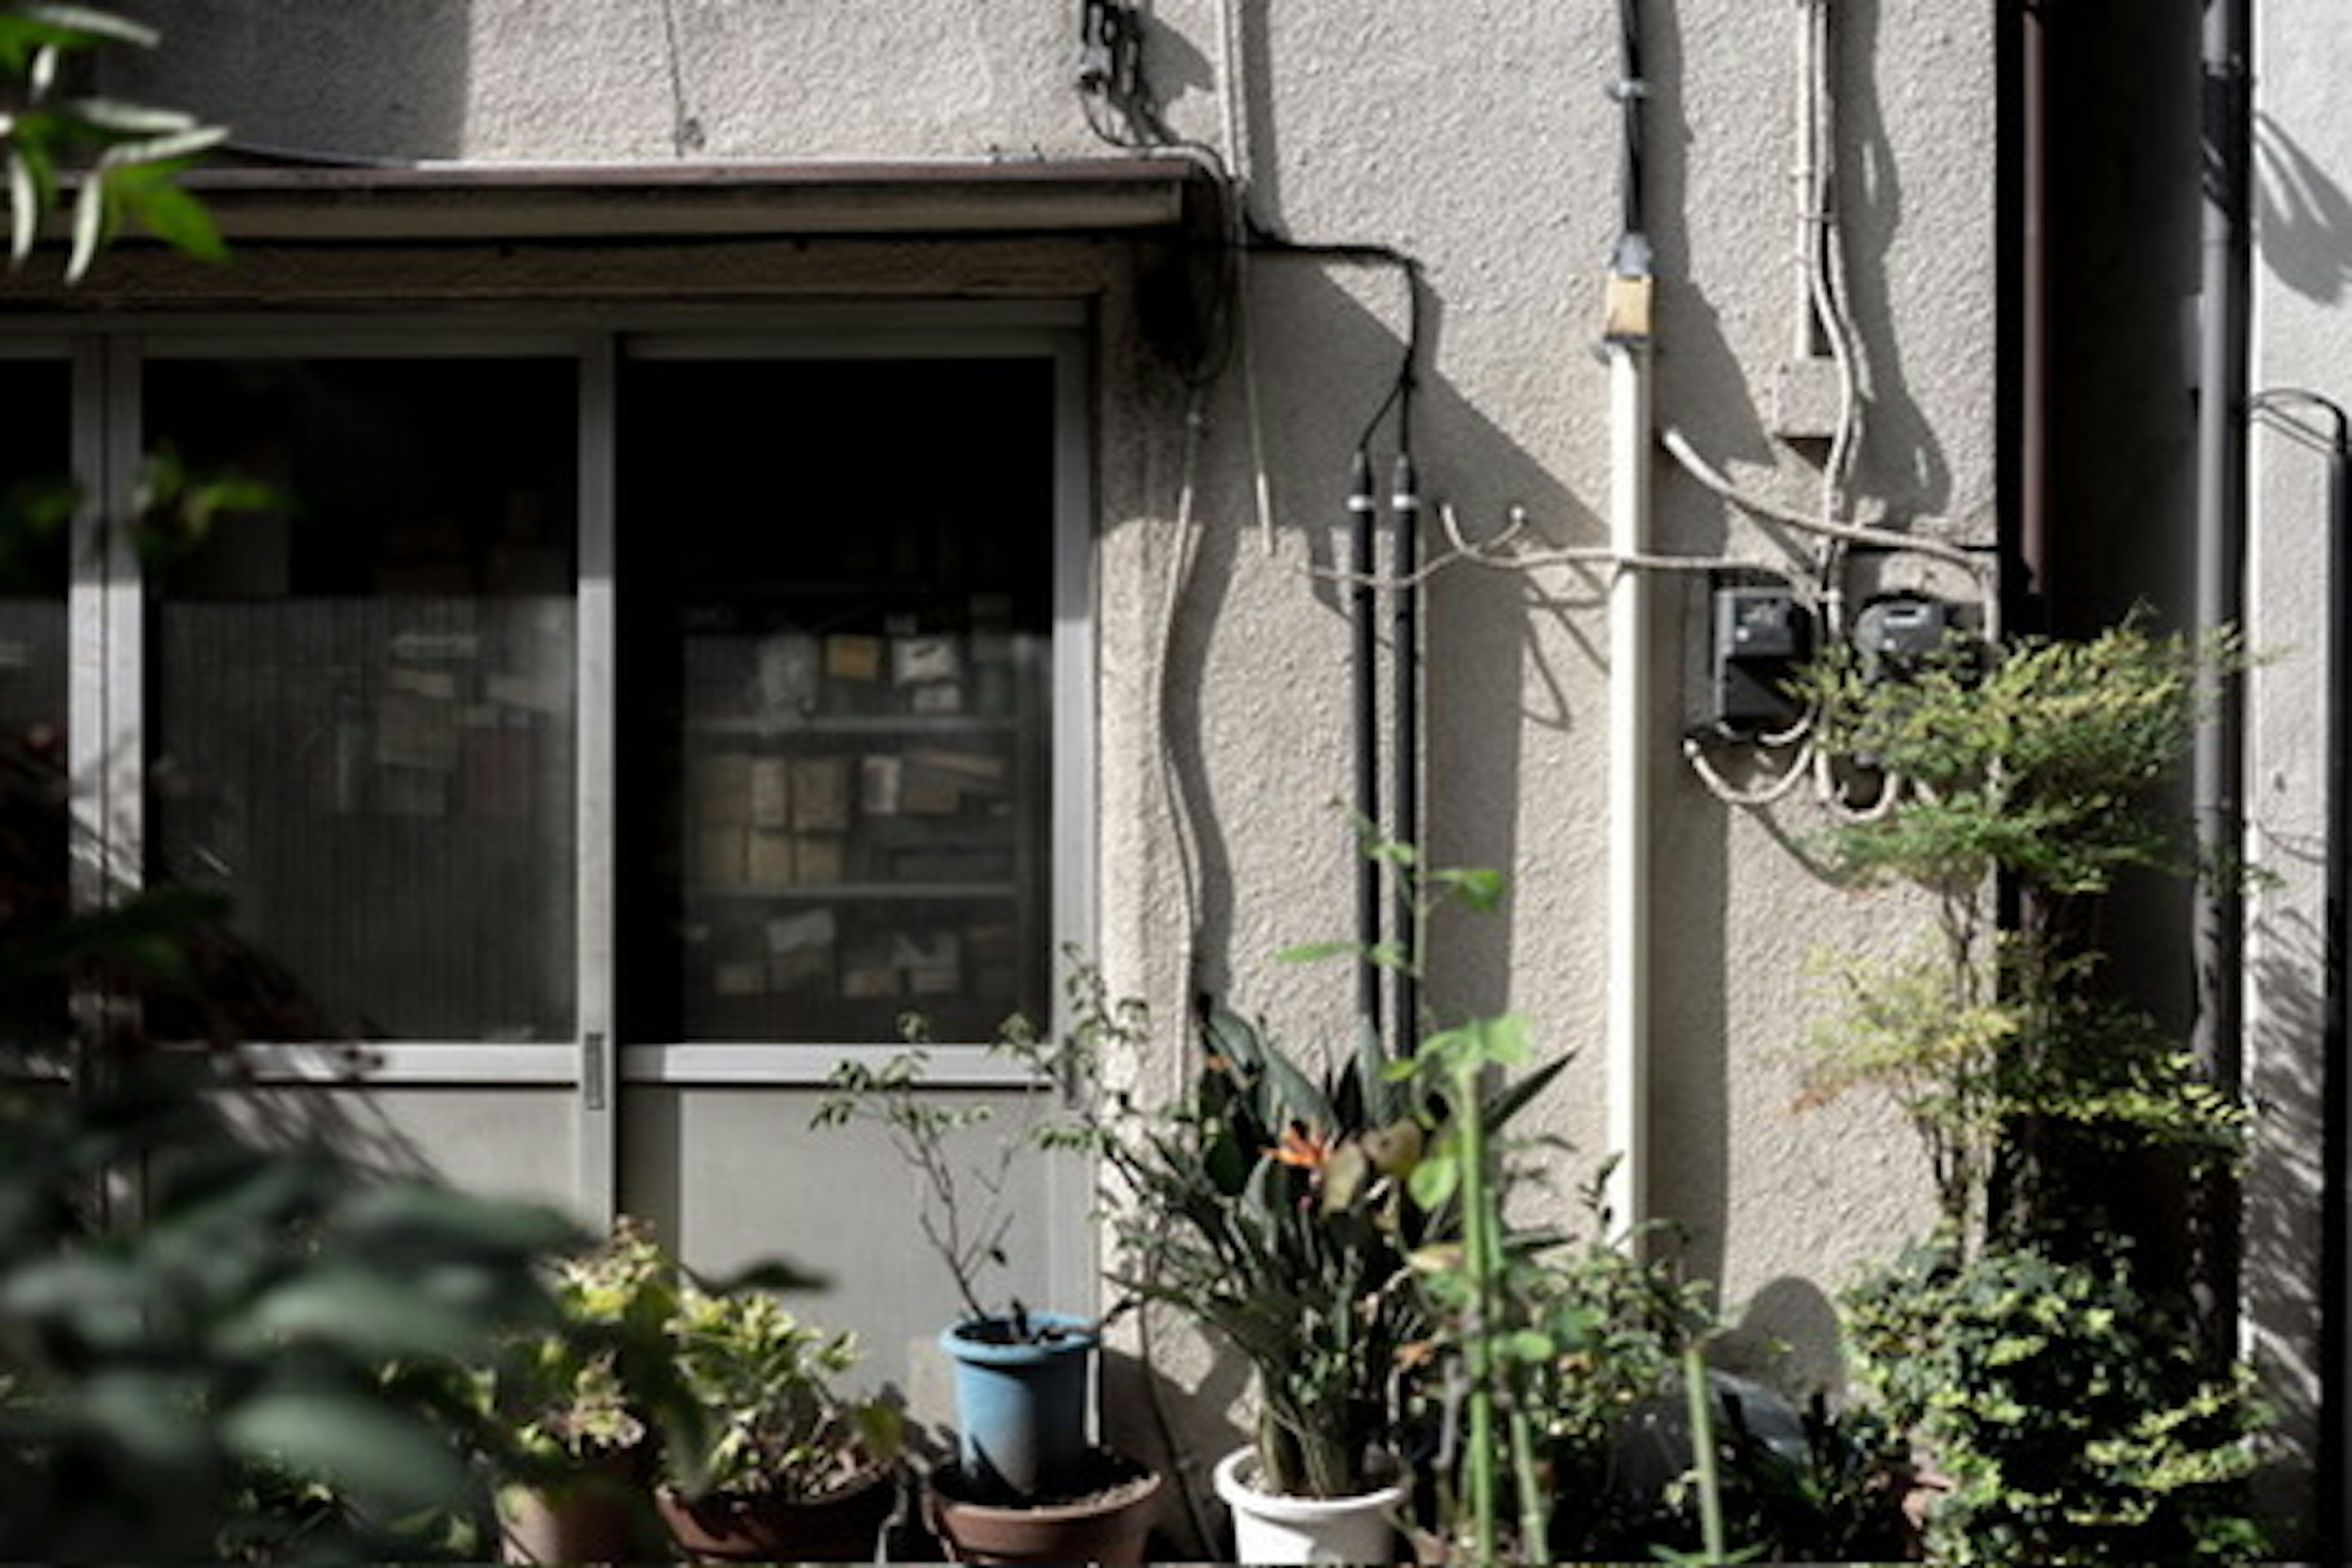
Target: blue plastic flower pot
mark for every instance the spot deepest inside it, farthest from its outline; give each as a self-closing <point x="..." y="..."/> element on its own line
<point x="1021" y="1403"/>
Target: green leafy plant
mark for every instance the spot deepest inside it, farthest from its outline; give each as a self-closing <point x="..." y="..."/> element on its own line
<point x="2072" y="1416"/>
<point x="774" y="1423"/>
<point x="1468" y="1280"/>
<point x="965" y="1203"/>
<point x="215" y="1367"/>
<point x="1327" y="1218"/>
<point x="2028" y="771"/>
<point x="1271" y="1207"/>
<point x="122" y="160"/>
<point x="2071" y="1409"/>
<point x="568" y="1391"/>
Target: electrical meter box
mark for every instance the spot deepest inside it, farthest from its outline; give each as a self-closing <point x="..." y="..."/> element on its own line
<point x="1762" y="633"/>
<point x="1894" y="634"/>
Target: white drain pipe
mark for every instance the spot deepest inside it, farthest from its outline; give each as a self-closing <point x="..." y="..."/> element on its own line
<point x="1626" y="1048"/>
<point x="1627" y="1054"/>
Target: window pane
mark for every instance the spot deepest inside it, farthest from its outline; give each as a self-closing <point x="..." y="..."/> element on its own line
<point x="361" y="709"/>
<point x="836" y="620"/>
<point x="36" y="502"/>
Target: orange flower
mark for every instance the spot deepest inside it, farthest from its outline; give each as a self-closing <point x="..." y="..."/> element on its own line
<point x="1301" y="1146"/>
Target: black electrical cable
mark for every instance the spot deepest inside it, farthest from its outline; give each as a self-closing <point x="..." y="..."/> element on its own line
<point x="1629" y="91"/>
<point x="1404" y="503"/>
<point x="1399" y="400"/>
<point x="1363" y="512"/>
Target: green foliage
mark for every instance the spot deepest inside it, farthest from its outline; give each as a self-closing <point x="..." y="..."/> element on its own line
<point x="213" y="1367"/>
<point x="764" y="1383"/>
<point x="1271" y="1207"/>
<point x="1500" y="1350"/>
<point x="964" y="1201"/>
<point x="1971" y="1051"/>
<point x="123" y="158"/>
<point x="2033" y="768"/>
<point x="2071" y="1417"/>
<point x="2035" y="763"/>
<point x="566" y="1393"/>
<point x="176" y="508"/>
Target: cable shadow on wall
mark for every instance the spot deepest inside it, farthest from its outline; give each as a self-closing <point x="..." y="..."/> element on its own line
<point x="1326" y="353"/>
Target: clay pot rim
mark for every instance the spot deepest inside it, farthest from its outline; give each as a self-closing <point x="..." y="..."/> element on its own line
<point x="859" y="1482"/>
<point x="1135" y="1484"/>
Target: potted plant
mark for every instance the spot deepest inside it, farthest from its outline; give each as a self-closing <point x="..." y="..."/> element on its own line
<point x="2057" y="1383"/>
<point x="576" y="1451"/>
<point x="785" y="1468"/>
<point x="1022" y="1377"/>
<point x="1027" y="1485"/>
<point x="1271" y="1207"/>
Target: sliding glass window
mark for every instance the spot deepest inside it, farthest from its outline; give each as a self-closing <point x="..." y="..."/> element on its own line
<point x="362" y="713"/>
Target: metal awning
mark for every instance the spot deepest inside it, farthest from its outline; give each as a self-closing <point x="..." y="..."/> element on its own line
<point x="495" y="201"/>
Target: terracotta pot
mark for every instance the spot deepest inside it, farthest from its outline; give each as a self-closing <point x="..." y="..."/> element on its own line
<point x="1107" y="1520"/>
<point x="1271" y="1527"/>
<point x="592" y="1517"/>
<point x="841" y="1526"/>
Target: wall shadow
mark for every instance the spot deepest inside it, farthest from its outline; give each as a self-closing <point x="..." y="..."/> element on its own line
<point x="2303" y="218"/>
<point x="1483" y="631"/>
<point x="2285" y="1246"/>
<point x="323" y="80"/>
<point x="1901" y="461"/>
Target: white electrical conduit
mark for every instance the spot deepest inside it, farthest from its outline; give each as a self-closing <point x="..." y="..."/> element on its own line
<point x="1625" y="1067"/>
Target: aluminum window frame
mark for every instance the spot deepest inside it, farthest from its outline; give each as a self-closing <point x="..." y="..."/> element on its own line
<point x="106" y="606"/>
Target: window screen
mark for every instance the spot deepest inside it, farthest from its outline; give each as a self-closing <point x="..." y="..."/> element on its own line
<point x="360" y="694"/>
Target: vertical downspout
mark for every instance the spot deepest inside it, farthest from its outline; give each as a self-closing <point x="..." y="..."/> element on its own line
<point x="2218" y="932"/>
<point x="2033" y="541"/>
<point x="1628" y="335"/>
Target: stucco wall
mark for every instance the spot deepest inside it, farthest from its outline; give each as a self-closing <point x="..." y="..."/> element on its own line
<point x="1476" y="136"/>
<point x="2301" y="339"/>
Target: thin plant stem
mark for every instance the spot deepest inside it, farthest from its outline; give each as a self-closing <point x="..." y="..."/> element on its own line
<point x="1478" y="1257"/>
<point x="1702" y="1433"/>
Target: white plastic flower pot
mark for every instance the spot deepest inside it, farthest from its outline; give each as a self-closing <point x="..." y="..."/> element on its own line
<point x="1270" y="1528"/>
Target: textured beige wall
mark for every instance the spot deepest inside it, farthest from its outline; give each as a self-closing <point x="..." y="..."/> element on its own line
<point x="1475" y="134"/>
<point x="2303" y="338"/>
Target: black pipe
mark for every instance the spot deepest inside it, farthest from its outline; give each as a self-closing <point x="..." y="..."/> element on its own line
<point x="1362" y="508"/>
<point x="2218" y="927"/>
<point x="1630" y="91"/>
<point x="1404" y="501"/>
<point x="2036" y="588"/>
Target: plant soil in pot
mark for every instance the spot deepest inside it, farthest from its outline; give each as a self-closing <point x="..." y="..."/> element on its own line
<point x="1104" y="1515"/>
<point x="1022" y="1385"/>
<point x="1271" y="1527"/>
<point x="837" y="1526"/>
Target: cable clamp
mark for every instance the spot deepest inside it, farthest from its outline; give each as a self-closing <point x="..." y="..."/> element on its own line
<point x="1627" y="89"/>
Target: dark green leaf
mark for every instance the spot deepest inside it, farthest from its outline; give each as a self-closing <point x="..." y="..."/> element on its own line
<point x="352" y="1440"/>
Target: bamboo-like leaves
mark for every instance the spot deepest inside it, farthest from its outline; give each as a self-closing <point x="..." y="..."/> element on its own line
<point x="122" y="159"/>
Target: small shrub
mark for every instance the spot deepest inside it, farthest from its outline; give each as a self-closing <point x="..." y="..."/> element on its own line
<point x="2069" y="1411"/>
